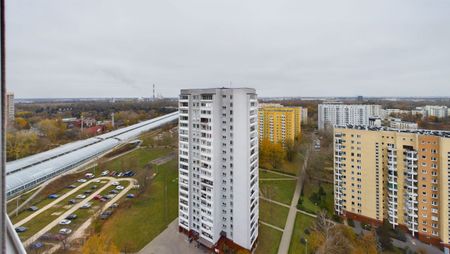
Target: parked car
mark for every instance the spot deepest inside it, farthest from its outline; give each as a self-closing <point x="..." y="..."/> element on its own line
<point x="81" y="196"/>
<point x="94" y="187"/>
<point x="130" y="195"/>
<point x="72" y="186"/>
<point x="65" y="222"/>
<point x="73" y="201"/>
<point x="37" y="245"/>
<point x="115" y="183"/>
<point x="103" y="199"/>
<point x="96" y="180"/>
<point x="105" y="214"/>
<point x="89" y="175"/>
<point x="120" y="174"/>
<point x="110" y="196"/>
<point x="105" y="173"/>
<point x="53" y="196"/>
<point x="87" y="191"/>
<point x="97" y="197"/>
<point x="120" y="187"/>
<point x="112" y="173"/>
<point x="115" y="205"/>
<point x="65" y="231"/>
<point x="21" y="229"/>
<point x="71" y="216"/>
<point x="33" y="208"/>
<point x="129" y="173"/>
<point x="82" y="180"/>
<point x="114" y="191"/>
<point x="87" y="205"/>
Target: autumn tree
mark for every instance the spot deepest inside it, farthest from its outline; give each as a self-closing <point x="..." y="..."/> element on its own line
<point x="98" y="244"/>
<point x="328" y="237"/>
<point x="21" y="123"/>
<point x="271" y="155"/>
<point x="53" y="129"/>
<point x="20" y="144"/>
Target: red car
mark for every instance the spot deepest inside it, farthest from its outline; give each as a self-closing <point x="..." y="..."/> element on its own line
<point x="97" y="197"/>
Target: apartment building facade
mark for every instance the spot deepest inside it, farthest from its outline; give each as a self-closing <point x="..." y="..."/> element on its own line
<point x="10" y="108"/>
<point x="218" y="166"/>
<point x="397" y="123"/>
<point x="279" y="124"/>
<point x="330" y="115"/>
<point x="399" y="176"/>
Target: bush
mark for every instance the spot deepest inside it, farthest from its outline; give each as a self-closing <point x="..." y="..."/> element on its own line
<point x="351" y="223"/>
<point x="315" y="198"/>
<point x="336" y="218"/>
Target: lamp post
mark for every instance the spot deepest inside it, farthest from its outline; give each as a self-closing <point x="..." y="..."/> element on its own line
<point x="306" y="246"/>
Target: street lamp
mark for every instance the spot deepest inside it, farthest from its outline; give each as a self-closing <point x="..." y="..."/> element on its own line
<point x="306" y="246"/>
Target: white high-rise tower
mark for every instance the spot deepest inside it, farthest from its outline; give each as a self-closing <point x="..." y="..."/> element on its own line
<point x="218" y="165"/>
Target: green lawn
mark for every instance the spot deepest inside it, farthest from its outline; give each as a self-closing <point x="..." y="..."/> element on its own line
<point x="268" y="240"/>
<point x="311" y="187"/>
<point x="272" y="213"/>
<point x="301" y="223"/>
<point x="144" y="217"/>
<point x="12" y="204"/>
<point x="281" y="191"/>
<point x="136" y="159"/>
<point x="265" y="174"/>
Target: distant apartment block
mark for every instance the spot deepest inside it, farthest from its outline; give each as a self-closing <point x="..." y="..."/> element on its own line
<point x="218" y="166"/>
<point x="279" y="124"/>
<point x="330" y="115"/>
<point x="304" y="115"/>
<point x="386" y="113"/>
<point x="10" y="108"/>
<point x="395" y="175"/>
<point x="430" y="110"/>
<point x="397" y="123"/>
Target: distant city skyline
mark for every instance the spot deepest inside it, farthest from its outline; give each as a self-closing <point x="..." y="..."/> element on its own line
<point x="79" y="49"/>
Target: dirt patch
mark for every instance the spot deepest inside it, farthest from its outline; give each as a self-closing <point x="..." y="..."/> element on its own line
<point x="164" y="159"/>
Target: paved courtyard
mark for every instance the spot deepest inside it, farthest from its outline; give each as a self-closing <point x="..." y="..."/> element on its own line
<point x="171" y="241"/>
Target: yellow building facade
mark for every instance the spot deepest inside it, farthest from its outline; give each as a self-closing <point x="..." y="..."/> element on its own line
<point x="399" y="176"/>
<point x="279" y="124"/>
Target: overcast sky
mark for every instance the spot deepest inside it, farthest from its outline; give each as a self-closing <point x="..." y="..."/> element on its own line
<point x="108" y="48"/>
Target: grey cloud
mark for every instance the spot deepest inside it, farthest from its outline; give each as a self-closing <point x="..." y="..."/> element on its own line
<point x="282" y="48"/>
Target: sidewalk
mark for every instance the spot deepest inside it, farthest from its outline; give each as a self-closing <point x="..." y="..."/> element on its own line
<point x="289" y="227"/>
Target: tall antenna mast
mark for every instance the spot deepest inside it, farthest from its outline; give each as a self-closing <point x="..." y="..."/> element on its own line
<point x="153" y="91"/>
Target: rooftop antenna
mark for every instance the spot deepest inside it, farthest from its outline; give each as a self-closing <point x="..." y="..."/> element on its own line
<point x="153" y="91"/>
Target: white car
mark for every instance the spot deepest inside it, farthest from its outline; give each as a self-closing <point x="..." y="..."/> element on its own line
<point x="65" y="222"/>
<point x="87" y="205"/>
<point x="96" y="181"/>
<point x="81" y="196"/>
<point x="65" y="231"/>
<point x="82" y="180"/>
<point x="115" y="183"/>
<point x="120" y="187"/>
<point x="105" y="173"/>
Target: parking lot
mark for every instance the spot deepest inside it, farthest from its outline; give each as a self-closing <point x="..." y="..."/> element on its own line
<point x="60" y="215"/>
